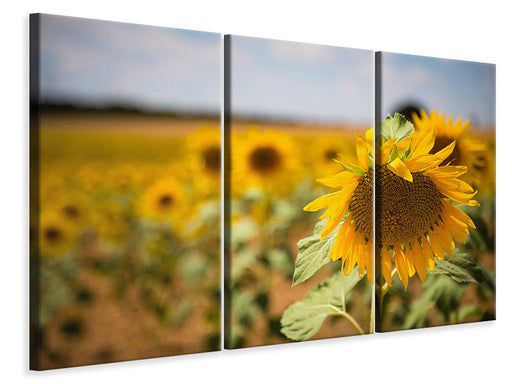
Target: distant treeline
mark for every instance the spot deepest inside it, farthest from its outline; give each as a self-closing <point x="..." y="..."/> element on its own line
<point x="124" y="110"/>
<point x="62" y="107"/>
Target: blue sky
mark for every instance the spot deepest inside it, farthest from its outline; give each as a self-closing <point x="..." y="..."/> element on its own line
<point x="99" y="62"/>
<point x="460" y="88"/>
<point x="273" y="78"/>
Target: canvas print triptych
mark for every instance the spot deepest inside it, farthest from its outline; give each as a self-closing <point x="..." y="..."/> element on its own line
<point x="344" y="192"/>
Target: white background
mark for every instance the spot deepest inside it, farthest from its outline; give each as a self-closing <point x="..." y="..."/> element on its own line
<point x="469" y="30"/>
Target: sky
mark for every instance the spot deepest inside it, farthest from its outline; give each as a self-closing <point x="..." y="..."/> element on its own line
<point x="460" y="88"/>
<point x="93" y="62"/>
<point x="274" y="78"/>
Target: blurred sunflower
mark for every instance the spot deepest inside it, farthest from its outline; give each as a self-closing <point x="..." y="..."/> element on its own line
<point x="324" y="150"/>
<point x="163" y="201"/>
<point x="73" y="208"/>
<point x="55" y="236"/>
<point x="468" y="150"/>
<point x="416" y="220"/>
<point x="267" y="160"/>
<point x="204" y="148"/>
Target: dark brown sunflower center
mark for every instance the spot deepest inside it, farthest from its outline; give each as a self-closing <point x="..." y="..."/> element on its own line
<point x="52" y="234"/>
<point x="442" y="142"/>
<point x="71" y="211"/>
<point x="211" y="157"/>
<point x="404" y="210"/>
<point x="265" y="159"/>
<point x="165" y="201"/>
<point x="330" y="154"/>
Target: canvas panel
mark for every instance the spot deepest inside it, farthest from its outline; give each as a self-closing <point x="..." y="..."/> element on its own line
<point x="125" y="191"/>
<point x="435" y="191"/>
<point x="292" y="110"/>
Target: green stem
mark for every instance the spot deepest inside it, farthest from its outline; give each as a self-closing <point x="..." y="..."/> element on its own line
<point x="372" y="314"/>
<point x="384" y="289"/>
<point x="351" y="320"/>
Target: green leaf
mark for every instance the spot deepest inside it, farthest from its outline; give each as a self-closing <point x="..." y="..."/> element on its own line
<point x="463" y="268"/>
<point x="396" y="127"/>
<point x="313" y="253"/>
<point x="350" y="167"/>
<point x="280" y="260"/>
<point x="243" y="231"/>
<point x="439" y="291"/>
<point x="304" y="319"/>
<point x="384" y="128"/>
<point x="469" y="311"/>
<point x="418" y="313"/>
<point x="245" y="257"/>
<point x="244" y="307"/>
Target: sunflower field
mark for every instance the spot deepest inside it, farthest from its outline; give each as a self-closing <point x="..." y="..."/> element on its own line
<point x="130" y="232"/>
<point x="273" y="175"/>
<point x="129" y="236"/>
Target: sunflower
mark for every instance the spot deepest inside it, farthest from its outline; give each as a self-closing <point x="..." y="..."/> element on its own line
<point x="416" y="219"/>
<point x="204" y="149"/>
<point x="266" y="160"/>
<point x="55" y="236"/>
<point x="468" y="150"/>
<point x="73" y="208"/>
<point x="163" y="201"/>
<point x="324" y="150"/>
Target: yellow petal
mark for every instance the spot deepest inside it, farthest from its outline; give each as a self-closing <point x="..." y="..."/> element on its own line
<point x="339" y="180"/>
<point x="340" y="201"/>
<point x="385" y="262"/>
<point x="401" y="266"/>
<point x="457" y="213"/>
<point x="362" y="155"/>
<point x="321" y="202"/>
<point x="425" y="142"/>
<point x="449" y="171"/>
<point x="368" y="137"/>
<point x="369" y="261"/>
<point x="410" y="260"/>
<point x="437" y="249"/>
<point x="385" y="150"/>
<point x="421" y="163"/>
<point x="398" y="167"/>
<point x="445" y="152"/>
<point x="341" y="236"/>
<point x="451" y="184"/>
<point x="427" y="252"/>
<point x="353" y="254"/>
<point x="419" y="260"/>
<point x="338" y="211"/>
<point x="445" y="239"/>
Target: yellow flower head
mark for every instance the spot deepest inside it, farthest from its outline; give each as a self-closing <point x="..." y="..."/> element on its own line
<point x="468" y="150"/>
<point x="415" y="217"/>
<point x="204" y="149"/>
<point x="55" y="236"/>
<point x="163" y="201"/>
<point x="324" y="150"/>
<point x="266" y="160"/>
